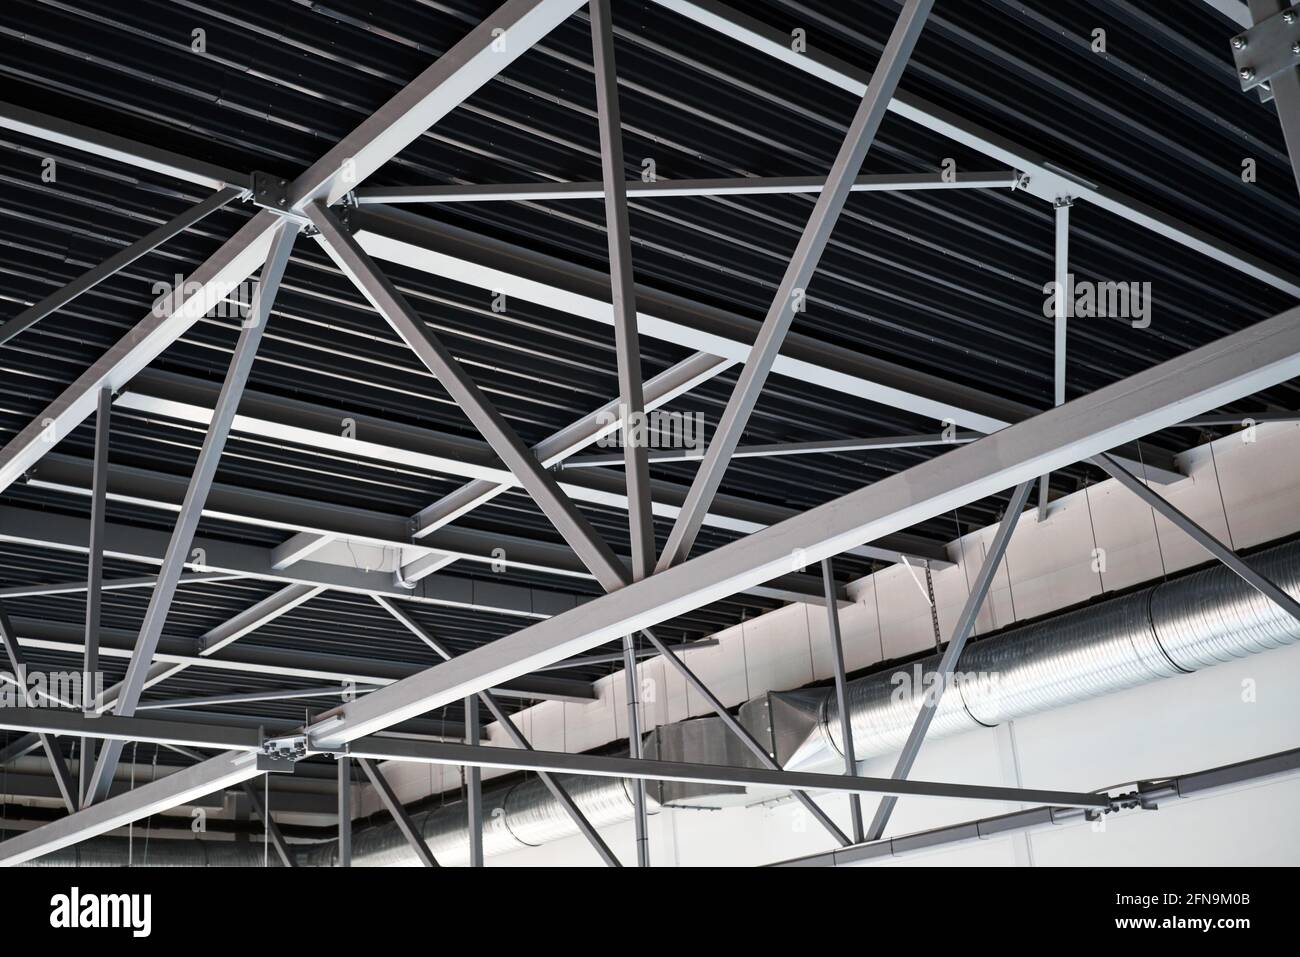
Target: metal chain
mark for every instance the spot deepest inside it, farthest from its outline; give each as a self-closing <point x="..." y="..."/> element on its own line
<point x="934" y="611"/>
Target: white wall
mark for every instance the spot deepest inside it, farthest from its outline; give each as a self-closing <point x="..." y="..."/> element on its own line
<point x="1245" y="492"/>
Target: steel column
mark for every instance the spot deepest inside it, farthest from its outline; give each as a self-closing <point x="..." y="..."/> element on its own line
<point x="273" y="832"/>
<point x="512" y="731"/>
<point x="951" y="655"/>
<point x="792" y="291"/>
<point x="187" y="521"/>
<point x="473" y="786"/>
<point x="398" y="812"/>
<point x="344" y="768"/>
<point x="623" y="294"/>
<point x="1061" y="313"/>
<point x="841" y="693"/>
<point x="94" y="584"/>
<point x="628" y="351"/>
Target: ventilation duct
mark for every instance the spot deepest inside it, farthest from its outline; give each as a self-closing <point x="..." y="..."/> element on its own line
<point x="1176" y="627"/>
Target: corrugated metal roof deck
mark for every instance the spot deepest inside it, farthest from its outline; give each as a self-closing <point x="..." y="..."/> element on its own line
<point x="947" y="283"/>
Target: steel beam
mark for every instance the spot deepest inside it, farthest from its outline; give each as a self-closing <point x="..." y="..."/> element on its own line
<point x="1043" y="179"/>
<point x="951" y="656"/>
<point x="1199" y="535"/>
<point x="54" y="754"/>
<point x="764" y="757"/>
<point x="262" y="613"/>
<point x="112" y="584"/>
<point x="233" y="767"/>
<point x="1233" y="10"/>
<point x="1196" y="784"/>
<point x="512" y="731"/>
<point x="503" y="36"/>
<point x="479" y="56"/>
<point x="792" y="291"/>
<point x="616" y="657"/>
<point x="224" y="634"/>
<point x="273" y="694"/>
<point x="403" y="820"/>
<point x="178" y="549"/>
<point x="342" y="248"/>
<point x="116" y="263"/>
<point x="424" y="752"/>
<point x="232" y="559"/>
<point x="428" y="246"/>
<point x="176" y="652"/>
<point x="307" y="426"/>
<point x="842" y="693"/>
<point x="637" y="189"/>
<point x="552" y="450"/>
<point x="226" y="770"/>
<point x="777" y="449"/>
<point x="230" y="265"/>
<point x="119" y="149"/>
<point x="1241" y="364"/>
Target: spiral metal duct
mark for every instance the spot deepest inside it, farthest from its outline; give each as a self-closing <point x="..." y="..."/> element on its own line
<point x="159" y="852"/>
<point x="523" y="815"/>
<point x="1177" y="627"/>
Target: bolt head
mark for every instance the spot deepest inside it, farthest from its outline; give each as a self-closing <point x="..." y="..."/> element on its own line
<point x="1247" y="73"/>
<point x="1239" y="43"/>
<point x="1295" y="49"/>
<point x="1288" y="17"/>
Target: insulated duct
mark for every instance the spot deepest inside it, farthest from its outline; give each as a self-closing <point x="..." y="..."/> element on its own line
<point x="1176" y="627"/>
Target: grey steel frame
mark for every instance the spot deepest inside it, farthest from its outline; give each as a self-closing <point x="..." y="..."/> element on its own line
<point x="187" y="522"/>
<point x="951" y="656"/>
<point x="793" y="288"/>
<point x="1232" y="368"/>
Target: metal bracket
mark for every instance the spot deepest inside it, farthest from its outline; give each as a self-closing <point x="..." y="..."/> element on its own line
<point x="270" y="192"/>
<point x="279" y="755"/>
<point x="1266" y="49"/>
